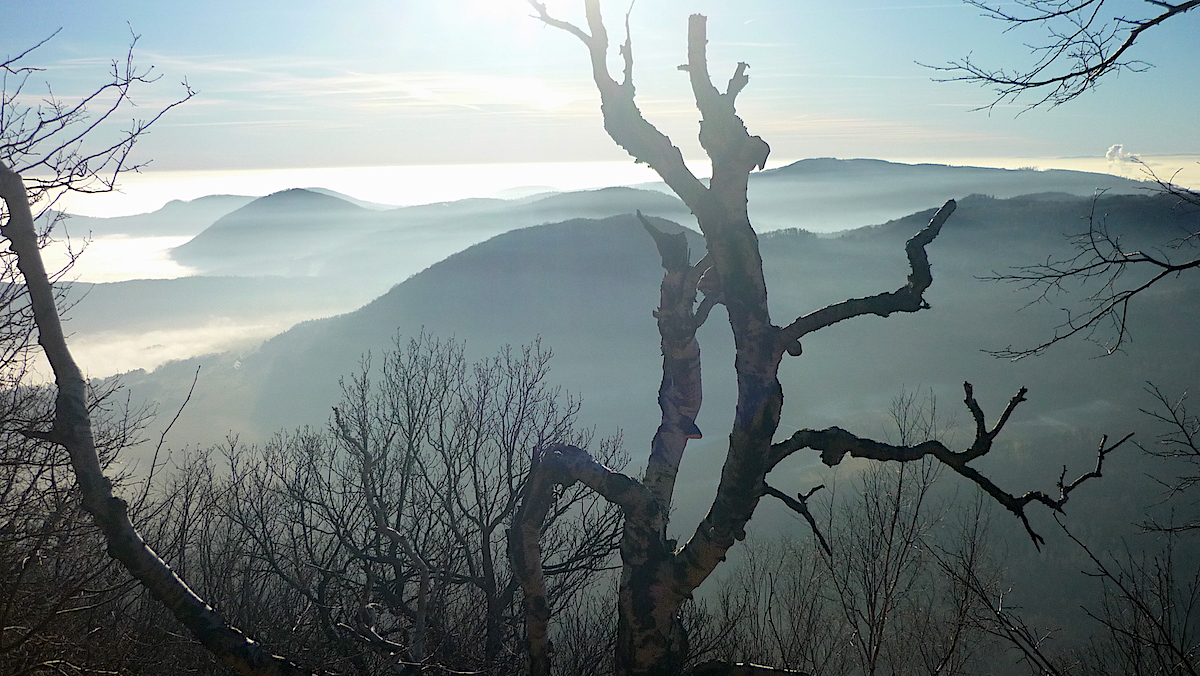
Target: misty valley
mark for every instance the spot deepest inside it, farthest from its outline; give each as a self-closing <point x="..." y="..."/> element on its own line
<point x="430" y="345"/>
<point x="552" y="295"/>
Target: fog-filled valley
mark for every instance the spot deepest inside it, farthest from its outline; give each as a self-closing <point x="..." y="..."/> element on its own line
<point x="418" y="339"/>
<point x="579" y="273"/>
<point x="292" y="294"/>
<point x="316" y="269"/>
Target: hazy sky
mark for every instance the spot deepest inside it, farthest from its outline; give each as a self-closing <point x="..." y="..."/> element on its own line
<point x="404" y="82"/>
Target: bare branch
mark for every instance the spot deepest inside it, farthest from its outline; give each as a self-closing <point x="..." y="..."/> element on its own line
<point x="1080" y="49"/>
<point x="1179" y="440"/>
<point x="835" y="443"/>
<point x="53" y="146"/>
<point x="908" y="298"/>
<point x="9" y="65"/>
<point x="72" y="429"/>
<point x="544" y="17"/>
<point x="1102" y="259"/>
<point x="622" y="119"/>
<point x="799" y="504"/>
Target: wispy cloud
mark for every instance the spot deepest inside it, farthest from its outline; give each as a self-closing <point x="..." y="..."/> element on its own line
<point x="346" y="88"/>
<point x="859" y="128"/>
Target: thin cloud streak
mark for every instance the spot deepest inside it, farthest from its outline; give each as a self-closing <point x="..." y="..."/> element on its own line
<point x="289" y="79"/>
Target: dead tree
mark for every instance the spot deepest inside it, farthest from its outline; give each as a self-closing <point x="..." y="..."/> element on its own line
<point x="60" y="147"/>
<point x="1083" y="44"/>
<point x="658" y="574"/>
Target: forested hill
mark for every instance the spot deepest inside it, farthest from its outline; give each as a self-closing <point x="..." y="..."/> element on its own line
<point x="306" y="233"/>
<point x="827" y="195"/>
<point x="588" y="287"/>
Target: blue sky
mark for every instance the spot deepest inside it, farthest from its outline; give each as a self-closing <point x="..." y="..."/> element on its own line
<point x="406" y="82"/>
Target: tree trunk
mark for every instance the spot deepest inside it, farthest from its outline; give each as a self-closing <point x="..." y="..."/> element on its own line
<point x="72" y="429"/>
<point x="657" y="576"/>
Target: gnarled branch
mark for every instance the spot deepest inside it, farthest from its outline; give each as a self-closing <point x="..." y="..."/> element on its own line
<point x="622" y="119"/>
<point x="908" y="298"/>
<point x="835" y="443"/>
<point x="561" y="465"/>
<point x="681" y="392"/>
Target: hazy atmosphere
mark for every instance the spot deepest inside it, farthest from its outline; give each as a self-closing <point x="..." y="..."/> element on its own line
<point x="288" y="87"/>
<point x="391" y="336"/>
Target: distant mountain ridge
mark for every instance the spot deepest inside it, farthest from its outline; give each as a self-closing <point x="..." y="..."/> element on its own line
<point x="300" y="232"/>
<point x="587" y="287"/>
<point x="309" y="233"/>
<point x="349" y="253"/>
<point x="827" y="195"/>
<point x="282" y="226"/>
<point x="175" y="218"/>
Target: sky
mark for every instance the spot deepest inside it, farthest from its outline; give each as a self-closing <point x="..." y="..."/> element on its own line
<point x="297" y="85"/>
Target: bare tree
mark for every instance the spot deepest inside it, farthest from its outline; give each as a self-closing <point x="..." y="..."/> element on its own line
<point x="61" y="147"/>
<point x="658" y="574"/>
<point x="1148" y="611"/>
<point x="378" y="544"/>
<point x="442" y="449"/>
<point x="1084" y="42"/>
<point x="1110" y="272"/>
<point x="1178" y="441"/>
<point x="55" y="580"/>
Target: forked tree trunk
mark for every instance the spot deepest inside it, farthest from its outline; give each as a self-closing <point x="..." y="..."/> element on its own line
<point x="657" y="576"/>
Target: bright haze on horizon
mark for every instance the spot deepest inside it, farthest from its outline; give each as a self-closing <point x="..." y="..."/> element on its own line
<point x="285" y="86"/>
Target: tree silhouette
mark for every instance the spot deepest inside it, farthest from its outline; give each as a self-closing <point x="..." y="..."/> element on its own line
<point x="659" y="574"/>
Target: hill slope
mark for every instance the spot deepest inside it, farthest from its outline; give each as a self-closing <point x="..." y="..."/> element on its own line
<point x="588" y="287"/>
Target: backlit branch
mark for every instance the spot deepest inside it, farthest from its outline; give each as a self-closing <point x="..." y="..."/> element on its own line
<point x="799" y="505"/>
<point x="1100" y="258"/>
<point x="72" y="429"/>
<point x="622" y="119"/>
<point x="908" y="298"/>
<point x="835" y="443"/>
<point x="723" y="135"/>
<point x="54" y="140"/>
<point x="46" y="144"/>
<point x="1081" y="47"/>
<point x="567" y="26"/>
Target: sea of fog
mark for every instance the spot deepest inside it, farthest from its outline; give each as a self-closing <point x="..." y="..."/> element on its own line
<point x="122" y="258"/>
<point x="410" y="185"/>
<point x="115" y="259"/>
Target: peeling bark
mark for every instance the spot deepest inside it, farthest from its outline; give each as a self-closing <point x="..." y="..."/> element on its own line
<point x="657" y="575"/>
